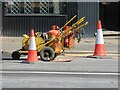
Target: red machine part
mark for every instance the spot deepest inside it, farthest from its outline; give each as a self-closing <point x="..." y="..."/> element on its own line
<point x="69" y="40"/>
<point x="53" y="27"/>
<point x="55" y="33"/>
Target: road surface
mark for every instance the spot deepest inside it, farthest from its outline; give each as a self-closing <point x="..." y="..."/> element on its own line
<point x="81" y="72"/>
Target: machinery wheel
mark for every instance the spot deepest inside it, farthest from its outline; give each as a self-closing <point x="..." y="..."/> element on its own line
<point x="47" y="54"/>
<point x="16" y="55"/>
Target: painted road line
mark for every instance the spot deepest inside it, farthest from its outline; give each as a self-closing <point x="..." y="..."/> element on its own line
<point x="59" y="73"/>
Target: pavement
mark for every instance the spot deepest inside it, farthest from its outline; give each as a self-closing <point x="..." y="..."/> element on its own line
<point x="110" y="33"/>
<point x="84" y="48"/>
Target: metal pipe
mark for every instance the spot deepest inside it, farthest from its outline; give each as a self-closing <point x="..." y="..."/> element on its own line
<point x="68" y="22"/>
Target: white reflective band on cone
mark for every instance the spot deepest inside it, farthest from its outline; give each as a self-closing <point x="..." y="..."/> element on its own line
<point x="32" y="45"/>
<point x="99" y="37"/>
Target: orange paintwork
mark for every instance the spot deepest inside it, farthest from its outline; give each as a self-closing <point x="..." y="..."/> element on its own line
<point x="55" y="32"/>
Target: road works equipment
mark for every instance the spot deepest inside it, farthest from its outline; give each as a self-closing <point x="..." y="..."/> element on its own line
<point x="54" y="42"/>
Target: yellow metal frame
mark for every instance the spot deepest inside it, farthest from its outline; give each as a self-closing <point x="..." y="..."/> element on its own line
<point x="41" y="43"/>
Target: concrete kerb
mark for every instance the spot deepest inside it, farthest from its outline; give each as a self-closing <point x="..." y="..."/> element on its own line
<point x="109" y="33"/>
<point x="62" y="58"/>
<point x="90" y="53"/>
<point x="76" y="52"/>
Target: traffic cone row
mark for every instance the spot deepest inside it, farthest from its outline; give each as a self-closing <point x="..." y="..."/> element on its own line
<point x="98" y="51"/>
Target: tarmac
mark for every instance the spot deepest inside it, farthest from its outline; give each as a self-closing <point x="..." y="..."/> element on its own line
<point x="84" y="48"/>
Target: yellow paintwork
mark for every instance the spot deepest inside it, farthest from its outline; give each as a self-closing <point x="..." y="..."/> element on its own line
<point x="41" y="43"/>
<point x="26" y="41"/>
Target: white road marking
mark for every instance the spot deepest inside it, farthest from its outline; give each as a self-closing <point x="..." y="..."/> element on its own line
<point x="59" y="73"/>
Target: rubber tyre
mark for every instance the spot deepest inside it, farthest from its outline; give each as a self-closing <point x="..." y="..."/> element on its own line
<point x="47" y="54"/>
<point x="16" y="55"/>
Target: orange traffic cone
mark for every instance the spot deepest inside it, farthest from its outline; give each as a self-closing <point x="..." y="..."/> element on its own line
<point x="99" y="47"/>
<point x="32" y="53"/>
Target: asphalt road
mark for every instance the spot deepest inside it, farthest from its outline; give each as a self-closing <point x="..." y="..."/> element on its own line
<point x="16" y="80"/>
<point x="81" y="72"/>
<point x="78" y="64"/>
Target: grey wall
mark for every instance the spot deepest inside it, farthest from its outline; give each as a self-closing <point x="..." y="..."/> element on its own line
<point x="71" y="10"/>
<point x="19" y="25"/>
<point x="91" y="11"/>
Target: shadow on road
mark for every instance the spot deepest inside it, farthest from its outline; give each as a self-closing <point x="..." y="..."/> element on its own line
<point x="12" y="59"/>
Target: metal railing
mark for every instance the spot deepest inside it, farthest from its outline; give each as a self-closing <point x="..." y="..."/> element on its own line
<point x="28" y="7"/>
<point x="44" y="7"/>
<point x="14" y="7"/>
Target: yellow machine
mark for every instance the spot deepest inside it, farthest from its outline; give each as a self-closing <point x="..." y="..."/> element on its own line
<point x="52" y="43"/>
